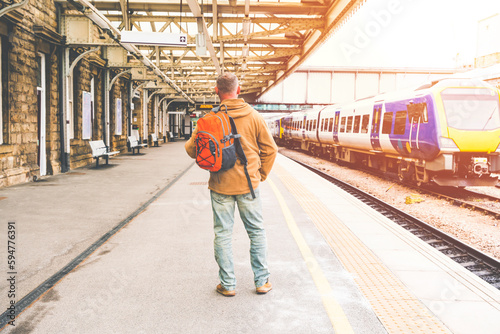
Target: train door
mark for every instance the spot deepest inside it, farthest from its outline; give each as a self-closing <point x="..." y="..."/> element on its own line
<point x="417" y="114"/>
<point x="336" y="127"/>
<point x="414" y="130"/>
<point x="318" y="127"/>
<point x="304" y="127"/>
<point x="375" y="133"/>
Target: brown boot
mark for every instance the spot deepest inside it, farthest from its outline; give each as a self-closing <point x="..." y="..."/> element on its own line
<point x="220" y="289"/>
<point x="264" y="289"/>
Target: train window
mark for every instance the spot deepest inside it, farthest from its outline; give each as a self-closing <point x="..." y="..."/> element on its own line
<point x="418" y="111"/>
<point x="387" y="124"/>
<point x="364" y="123"/>
<point x="330" y="126"/>
<point x="342" y="124"/>
<point x="322" y="127"/>
<point x="357" y="121"/>
<point x="349" y="124"/>
<point x="336" y="127"/>
<point x="400" y="123"/>
<point x="315" y="125"/>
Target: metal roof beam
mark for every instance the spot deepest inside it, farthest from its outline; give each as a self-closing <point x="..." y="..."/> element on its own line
<point x="196" y="10"/>
<point x="270" y="8"/>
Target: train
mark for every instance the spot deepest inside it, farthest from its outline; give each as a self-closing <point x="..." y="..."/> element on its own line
<point x="445" y="132"/>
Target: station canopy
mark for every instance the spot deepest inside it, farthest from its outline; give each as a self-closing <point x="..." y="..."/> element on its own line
<point x="261" y="42"/>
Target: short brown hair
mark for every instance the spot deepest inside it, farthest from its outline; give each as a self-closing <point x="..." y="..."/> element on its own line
<point x="227" y="83"/>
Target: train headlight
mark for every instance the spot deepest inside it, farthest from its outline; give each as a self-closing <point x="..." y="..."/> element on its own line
<point x="448" y="144"/>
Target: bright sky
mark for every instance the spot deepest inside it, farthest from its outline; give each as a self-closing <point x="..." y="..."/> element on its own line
<point x="407" y="33"/>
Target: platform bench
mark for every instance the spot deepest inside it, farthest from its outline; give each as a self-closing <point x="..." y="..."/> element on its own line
<point x="155" y="140"/>
<point x="99" y="149"/>
<point x="135" y="145"/>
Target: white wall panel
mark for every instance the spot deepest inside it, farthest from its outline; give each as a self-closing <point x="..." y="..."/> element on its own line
<point x="413" y="80"/>
<point x="274" y="95"/>
<point x="366" y="85"/>
<point x="324" y="87"/>
<point x="387" y="82"/>
<point x="319" y="87"/>
<point x="294" y="89"/>
<point x="343" y="87"/>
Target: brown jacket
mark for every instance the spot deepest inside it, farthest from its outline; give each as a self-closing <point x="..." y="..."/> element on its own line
<point x="258" y="145"/>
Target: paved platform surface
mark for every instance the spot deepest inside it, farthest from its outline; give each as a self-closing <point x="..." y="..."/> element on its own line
<point x="334" y="264"/>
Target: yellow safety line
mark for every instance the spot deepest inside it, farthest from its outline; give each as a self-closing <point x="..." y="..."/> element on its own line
<point x="337" y="316"/>
<point x="398" y="310"/>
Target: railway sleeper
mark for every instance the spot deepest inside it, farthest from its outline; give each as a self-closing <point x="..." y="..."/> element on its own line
<point x="496" y="285"/>
<point x="480" y="269"/>
<point x="441" y="248"/>
<point x="493" y="279"/>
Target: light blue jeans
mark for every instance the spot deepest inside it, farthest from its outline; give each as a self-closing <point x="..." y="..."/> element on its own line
<point x="251" y="214"/>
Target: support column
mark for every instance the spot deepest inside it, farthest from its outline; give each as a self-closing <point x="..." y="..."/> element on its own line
<point x="106" y="107"/>
<point x="130" y="97"/>
<point x="155" y="106"/>
<point x="144" y="114"/>
<point x="65" y="166"/>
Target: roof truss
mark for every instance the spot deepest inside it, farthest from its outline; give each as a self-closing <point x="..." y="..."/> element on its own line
<point x="261" y="42"/>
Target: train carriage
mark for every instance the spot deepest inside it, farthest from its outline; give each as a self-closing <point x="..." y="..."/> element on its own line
<point x="447" y="132"/>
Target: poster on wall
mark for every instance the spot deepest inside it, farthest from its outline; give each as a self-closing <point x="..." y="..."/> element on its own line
<point x="86" y="115"/>
<point x="118" y="118"/>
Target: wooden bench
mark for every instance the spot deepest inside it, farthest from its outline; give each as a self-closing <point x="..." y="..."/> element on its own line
<point x="99" y="149"/>
<point x="155" y="140"/>
<point x="134" y="144"/>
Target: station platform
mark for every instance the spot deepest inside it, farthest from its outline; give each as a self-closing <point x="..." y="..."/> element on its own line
<point x="128" y="248"/>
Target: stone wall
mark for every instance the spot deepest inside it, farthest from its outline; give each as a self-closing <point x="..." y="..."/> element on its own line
<point x="119" y="91"/>
<point x="81" y="154"/>
<point x="137" y="115"/>
<point x="19" y="153"/>
<point x="24" y="34"/>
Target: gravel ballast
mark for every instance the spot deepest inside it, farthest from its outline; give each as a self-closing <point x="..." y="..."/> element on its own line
<point x="474" y="228"/>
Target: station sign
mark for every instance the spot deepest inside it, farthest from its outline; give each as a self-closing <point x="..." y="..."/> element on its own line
<point x="153" y="38"/>
<point x="204" y="106"/>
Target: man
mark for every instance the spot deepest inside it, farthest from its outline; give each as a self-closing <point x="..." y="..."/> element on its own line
<point x="230" y="187"/>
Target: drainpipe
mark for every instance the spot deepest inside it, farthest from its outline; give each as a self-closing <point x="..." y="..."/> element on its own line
<point x="62" y="120"/>
<point x="130" y="97"/>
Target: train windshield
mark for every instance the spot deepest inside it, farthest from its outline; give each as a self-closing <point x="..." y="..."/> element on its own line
<point x="471" y="109"/>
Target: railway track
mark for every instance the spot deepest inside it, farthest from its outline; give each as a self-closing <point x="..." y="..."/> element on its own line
<point x="479" y="263"/>
<point x="456" y="196"/>
<point x="463" y="198"/>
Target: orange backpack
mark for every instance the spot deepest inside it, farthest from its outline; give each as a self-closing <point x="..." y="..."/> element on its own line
<point x="218" y="144"/>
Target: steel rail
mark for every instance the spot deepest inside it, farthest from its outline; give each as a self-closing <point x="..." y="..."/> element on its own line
<point x="481" y="264"/>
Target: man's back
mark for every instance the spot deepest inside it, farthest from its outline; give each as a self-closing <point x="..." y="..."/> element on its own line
<point x="257" y="143"/>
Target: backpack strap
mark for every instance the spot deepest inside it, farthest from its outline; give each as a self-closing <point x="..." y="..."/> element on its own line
<point x="241" y="153"/>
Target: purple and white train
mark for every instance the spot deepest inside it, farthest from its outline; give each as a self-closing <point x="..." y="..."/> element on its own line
<point x="446" y="132"/>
